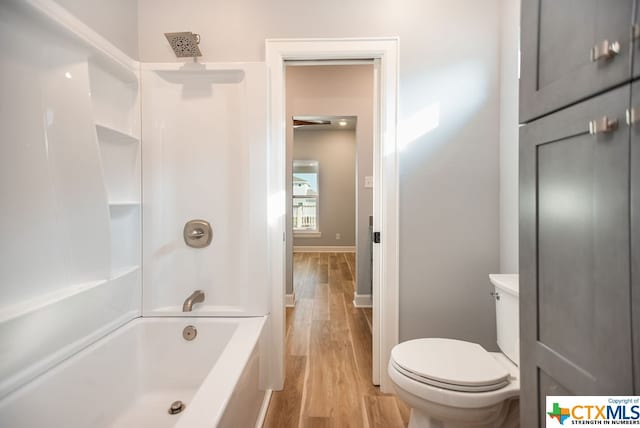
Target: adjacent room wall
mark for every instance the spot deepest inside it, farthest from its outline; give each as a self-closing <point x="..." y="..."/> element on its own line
<point x="509" y="47"/>
<point x="340" y="90"/>
<point x="449" y="129"/>
<point x="115" y="20"/>
<point x="335" y="152"/>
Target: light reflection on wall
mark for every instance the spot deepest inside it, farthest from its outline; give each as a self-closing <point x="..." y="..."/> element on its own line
<point x="451" y="95"/>
<point x="419" y="124"/>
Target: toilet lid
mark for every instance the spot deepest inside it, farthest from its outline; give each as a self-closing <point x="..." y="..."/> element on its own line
<point x="450" y="364"/>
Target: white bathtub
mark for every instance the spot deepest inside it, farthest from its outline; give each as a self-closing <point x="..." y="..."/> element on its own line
<point x="131" y="377"/>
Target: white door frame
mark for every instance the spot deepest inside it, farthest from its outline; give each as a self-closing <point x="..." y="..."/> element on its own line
<point x="386" y="286"/>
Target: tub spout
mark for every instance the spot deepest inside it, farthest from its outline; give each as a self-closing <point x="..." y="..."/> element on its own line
<point x="196" y="297"/>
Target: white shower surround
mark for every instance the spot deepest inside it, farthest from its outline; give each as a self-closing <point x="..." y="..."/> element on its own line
<point x="71" y="336"/>
<point x="205" y="157"/>
<point x="70" y="162"/>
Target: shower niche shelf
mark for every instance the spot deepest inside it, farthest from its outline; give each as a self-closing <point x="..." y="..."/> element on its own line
<point x="114" y="98"/>
<point x="106" y="132"/>
<point x="124" y="203"/>
<point x="120" y="156"/>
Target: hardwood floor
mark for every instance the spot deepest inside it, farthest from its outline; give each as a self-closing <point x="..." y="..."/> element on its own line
<point x="328" y="356"/>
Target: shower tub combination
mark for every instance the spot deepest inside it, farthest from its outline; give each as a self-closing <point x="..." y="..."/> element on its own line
<point x="95" y="335"/>
<point x="131" y="378"/>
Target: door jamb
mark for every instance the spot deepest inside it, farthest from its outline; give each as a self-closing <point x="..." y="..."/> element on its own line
<point x="386" y="292"/>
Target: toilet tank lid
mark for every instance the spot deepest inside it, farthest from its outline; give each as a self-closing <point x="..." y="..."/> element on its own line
<point x="506" y="282"/>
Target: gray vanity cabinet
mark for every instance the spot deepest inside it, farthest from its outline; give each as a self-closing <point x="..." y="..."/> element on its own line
<point x="579" y="201"/>
<point x="634" y="119"/>
<point x="635" y="34"/>
<point x="569" y="51"/>
<point x="575" y="314"/>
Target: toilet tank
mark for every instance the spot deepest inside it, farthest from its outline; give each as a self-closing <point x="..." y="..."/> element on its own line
<point x="507" y="314"/>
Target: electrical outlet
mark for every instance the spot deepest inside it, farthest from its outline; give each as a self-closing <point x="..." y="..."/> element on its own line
<point x="368" y="182"/>
<point x="338" y="236"/>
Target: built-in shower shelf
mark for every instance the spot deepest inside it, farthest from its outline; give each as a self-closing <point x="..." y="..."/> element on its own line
<point x="124" y="271"/>
<point x="39" y="302"/>
<point x="112" y="134"/>
<point x="102" y="306"/>
<point x="44" y="300"/>
<point x="123" y="204"/>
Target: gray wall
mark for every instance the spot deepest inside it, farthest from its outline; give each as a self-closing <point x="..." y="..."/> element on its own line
<point x="115" y="20"/>
<point x="335" y="152"/>
<point x="449" y="173"/>
<point x="509" y="136"/>
<point x="342" y="91"/>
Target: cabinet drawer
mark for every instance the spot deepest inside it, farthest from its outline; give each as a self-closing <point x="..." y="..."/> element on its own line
<point x="571" y="50"/>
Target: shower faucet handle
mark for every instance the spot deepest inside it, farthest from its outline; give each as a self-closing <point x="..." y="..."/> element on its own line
<point x="197" y="233"/>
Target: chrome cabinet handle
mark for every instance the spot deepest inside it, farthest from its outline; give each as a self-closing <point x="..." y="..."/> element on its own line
<point x="496" y="295"/>
<point x="605" y="50"/>
<point x="633" y="116"/>
<point x="602" y="125"/>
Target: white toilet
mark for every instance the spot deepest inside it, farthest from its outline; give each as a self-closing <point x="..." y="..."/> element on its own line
<point x="456" y="384"/>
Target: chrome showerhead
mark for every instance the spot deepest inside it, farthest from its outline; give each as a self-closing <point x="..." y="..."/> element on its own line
<point x="184" y="44"/>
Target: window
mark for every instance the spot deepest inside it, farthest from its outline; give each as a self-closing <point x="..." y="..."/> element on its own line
<point x="305" y="197"/>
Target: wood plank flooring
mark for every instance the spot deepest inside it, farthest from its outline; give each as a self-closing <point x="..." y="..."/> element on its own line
<point x="328" y="355"/>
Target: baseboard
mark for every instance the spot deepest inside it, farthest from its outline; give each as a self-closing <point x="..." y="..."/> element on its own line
<point x="290" y="300"/>
<point x="362" y="300"/>
<point x="264" y="408"/>
<point x="324" y="249"/>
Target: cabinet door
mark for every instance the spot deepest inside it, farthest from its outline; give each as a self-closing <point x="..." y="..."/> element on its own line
<point x="557" y="40"/>
<point x="575" y="320"/>
<point x="635" y="34"/>
<point x="634" y="121"/>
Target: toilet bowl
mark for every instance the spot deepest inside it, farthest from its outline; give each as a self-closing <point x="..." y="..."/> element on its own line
<point x="452" y="383"/>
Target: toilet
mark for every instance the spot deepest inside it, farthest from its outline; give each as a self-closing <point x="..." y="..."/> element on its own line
<point x="451" y="383"/>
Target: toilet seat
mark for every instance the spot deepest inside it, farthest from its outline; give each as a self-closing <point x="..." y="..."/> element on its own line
<point x="449" y="364"/>
<point x="448" y="386"/>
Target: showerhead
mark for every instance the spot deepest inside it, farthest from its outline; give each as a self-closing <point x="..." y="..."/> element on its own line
<point x="184" y="44"/>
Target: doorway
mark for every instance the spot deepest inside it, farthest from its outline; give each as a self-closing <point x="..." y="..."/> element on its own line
<point x="385" y="195"/>
<point x="326" y="155"/>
